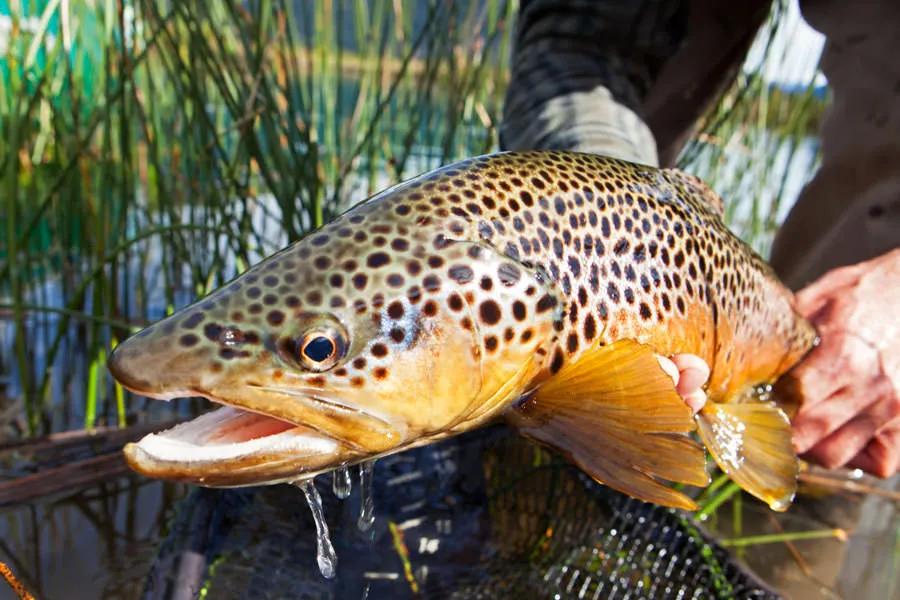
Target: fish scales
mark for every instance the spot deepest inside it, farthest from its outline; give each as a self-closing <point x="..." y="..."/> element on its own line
<point x="455" y="297"/>
<point x="637" y="252"/>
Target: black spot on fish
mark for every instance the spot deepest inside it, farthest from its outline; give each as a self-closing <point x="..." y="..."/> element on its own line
<point x="193" y="320"/>
<point x="590" y="327"/>
<point x="490" y="312"/>
<point x="546" y="302"/>
<point x="378" y="259"/>
<point x="212" y="331"/>
<point x="432" y="283"/>
<point x="188" y="340"/>
<point x="508" y="274"/>
<point x="557" y="362"/>
<point x="612" y="291"/>
<point x="460" y="273"/>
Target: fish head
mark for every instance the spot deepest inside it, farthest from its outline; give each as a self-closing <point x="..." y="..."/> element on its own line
<point x="335" y="351"/>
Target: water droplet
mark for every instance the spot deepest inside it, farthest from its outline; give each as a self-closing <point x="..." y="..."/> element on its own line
<point x="783" y="503"/>
<point x="341" y="482"/>
<point x="367" y="502"/>
<point x="325" y="554"/>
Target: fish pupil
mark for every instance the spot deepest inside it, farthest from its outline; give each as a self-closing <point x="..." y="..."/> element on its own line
<point x="318" y="349"/>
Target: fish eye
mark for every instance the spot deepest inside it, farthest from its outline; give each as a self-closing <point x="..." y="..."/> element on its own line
<point x="320" y="350"/>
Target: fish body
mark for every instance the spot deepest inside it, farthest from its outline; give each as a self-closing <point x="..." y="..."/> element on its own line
<point x="535" y="286"/>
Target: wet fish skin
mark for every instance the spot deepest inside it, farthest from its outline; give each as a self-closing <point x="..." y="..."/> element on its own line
<point x="451" y="297"/>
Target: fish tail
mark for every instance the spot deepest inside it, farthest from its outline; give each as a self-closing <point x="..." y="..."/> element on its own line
<point x="751" y="442"/>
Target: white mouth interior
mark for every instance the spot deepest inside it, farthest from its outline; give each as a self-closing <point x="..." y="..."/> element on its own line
<point x="228" y="433"/>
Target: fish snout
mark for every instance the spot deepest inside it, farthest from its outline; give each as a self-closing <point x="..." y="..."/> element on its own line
<point x="152" y="367"/>
<point x="124" y="365"/>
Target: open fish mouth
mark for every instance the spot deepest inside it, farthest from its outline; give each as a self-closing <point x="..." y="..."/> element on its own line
<point x="233" y="447"/>
<point x="262" y="435"/>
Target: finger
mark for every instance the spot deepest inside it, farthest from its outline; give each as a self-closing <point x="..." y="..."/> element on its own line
<point x="881" y="456"/>
<point x="840" y="361"/>
<point x="844" y="444"/>
<point x="669" y="367"/>
<point x="817" y="420"/>
<point x="872" y="403"/>
<point x="693" y="373"/>
<point x="814" y="307"/>
<point x="696" y="400"/>
<point x="688" y="373"/>
<point x="811" y="295"/>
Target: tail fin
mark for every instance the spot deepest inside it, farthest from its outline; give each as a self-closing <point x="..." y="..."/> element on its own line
<point x="752" y="443"/>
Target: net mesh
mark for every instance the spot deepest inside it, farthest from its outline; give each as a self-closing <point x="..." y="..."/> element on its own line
<point x="484" y="515"/>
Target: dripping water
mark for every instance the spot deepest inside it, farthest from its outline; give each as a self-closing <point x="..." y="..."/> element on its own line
<point x="367" y="503"/>
<point x="325" y="554"/>
<point x="341" y="482"/>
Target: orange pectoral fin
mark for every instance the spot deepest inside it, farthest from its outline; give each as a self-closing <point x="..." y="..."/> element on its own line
<point x="616" y="414"/>
<point x="751" y="442"/>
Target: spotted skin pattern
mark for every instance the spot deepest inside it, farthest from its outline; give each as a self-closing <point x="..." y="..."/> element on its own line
<point x="450" y="296"/>
<point x="630" y="251"/>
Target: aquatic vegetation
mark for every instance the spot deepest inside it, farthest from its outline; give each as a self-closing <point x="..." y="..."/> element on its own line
<point x="148" y="158"/>
<point x="163" y="147"/>
<point x="760" y="142"/>
<point x="193" y="185"/>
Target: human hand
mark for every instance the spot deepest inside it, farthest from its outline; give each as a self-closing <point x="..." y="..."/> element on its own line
<point x="850" y="383"/>
<point x="689" y="372"/>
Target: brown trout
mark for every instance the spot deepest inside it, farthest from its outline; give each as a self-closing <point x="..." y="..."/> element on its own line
<point x="537" y="287"/>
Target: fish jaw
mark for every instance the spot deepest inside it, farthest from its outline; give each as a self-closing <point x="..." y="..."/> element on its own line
<point x="260" y="437"/>
<point x="233" y="446"/>
<point x="228" y="447"/>
<point x="266" y="432"/>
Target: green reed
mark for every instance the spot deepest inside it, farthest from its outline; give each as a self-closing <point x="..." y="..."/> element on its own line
<point x="794" y="536"/>
<point x="139" y="137"/>
<point x="755" y="139"/>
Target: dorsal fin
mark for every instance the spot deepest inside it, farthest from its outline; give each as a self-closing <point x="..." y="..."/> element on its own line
<point x="697" y="189"/>
<point x="616" y="414"/>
